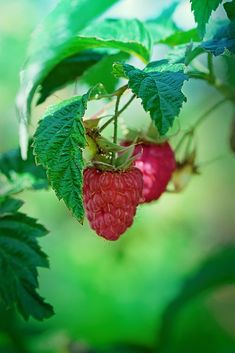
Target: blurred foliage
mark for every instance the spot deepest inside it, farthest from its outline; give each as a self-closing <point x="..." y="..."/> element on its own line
<point x="111" y="297"/>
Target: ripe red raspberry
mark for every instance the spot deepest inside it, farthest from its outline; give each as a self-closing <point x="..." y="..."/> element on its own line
<point x="110" y="200"/>
<point x="157" y="163"/>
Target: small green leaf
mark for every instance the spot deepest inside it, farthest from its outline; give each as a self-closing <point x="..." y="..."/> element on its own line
<point x="162" y="26"/>
<point x="58" y="144"/>
<point x="8" y="205"/>
<point x="118" y="70"/>
<point x="216" y="271"/>
<point x="20" y="255"/>
<point x="18" y="174"/>
<point x="159" y="87"/>
<point x="202" y="11"/>
<point x="230" y="9"/>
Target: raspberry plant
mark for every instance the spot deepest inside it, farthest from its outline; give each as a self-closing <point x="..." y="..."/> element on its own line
<point x="70" y="46"/>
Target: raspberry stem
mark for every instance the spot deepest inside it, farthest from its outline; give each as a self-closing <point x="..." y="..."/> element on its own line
<point x="115" y="131"/>
<point x="119" y="113"/>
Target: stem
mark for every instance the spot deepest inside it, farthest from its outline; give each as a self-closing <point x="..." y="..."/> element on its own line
<point x="115" y="119"/>
<point x="118" y="113"/>
<point x="115" y="131"/>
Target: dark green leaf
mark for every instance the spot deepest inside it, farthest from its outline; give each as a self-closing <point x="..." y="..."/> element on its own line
<point x="216" y="271"/>
<point x="18" y="174"/>
<point x="9" y="205"/>
<point x="162" y="26"/>
<point x="202" y="11"/>
<point x="58" y="144"/>
<point x="230" y="9"/>
<point x="67" y="71"/>
<point x="159" y="87"/>
<point x="223" y="41"/>
<point x="20" y="255"/>
<point x="102" y="72"/>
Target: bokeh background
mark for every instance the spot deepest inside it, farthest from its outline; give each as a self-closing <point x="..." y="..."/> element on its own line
<point x="106" y="293"/>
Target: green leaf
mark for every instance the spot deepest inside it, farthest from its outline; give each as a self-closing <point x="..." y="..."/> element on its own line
<point x="20" y="255"/>
<point x="182" y="37"/>
<point x="159" y="87"/>
<point x="58" y="144"/>
<point x="102" y="72"/>
<point x="17" y="175"/>
<point x="202" y="11"/>
<point x="230" y="9"/>
<point x="223" y="41"/>
<point x="8" y="205"/>
<point x="162" y="26"/>
<point x="216" y="271"/>
<point x="67" y="71"/>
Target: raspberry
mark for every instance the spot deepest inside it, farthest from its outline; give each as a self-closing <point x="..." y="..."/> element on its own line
<point x="110" y="199"/>
<point x="157" y="163"/>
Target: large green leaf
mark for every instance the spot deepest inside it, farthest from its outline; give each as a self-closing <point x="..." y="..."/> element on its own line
<point x="49" y="46"/>
<point x="126" y="35"/>
<point x="159" y="87"/>
<point x="17" y="175"/>
<point x="230" y="9"/>
<point x="20" y="255"/>
<point x="162" y="26"/>
<point x="202" y="12"/>
<point x="216" y="271"/>
<point x="58" y="143"/>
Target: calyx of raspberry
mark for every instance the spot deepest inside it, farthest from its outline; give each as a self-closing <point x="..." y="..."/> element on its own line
<point x="111" y="156"/>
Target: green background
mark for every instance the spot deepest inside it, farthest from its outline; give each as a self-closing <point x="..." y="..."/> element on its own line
<point x="104" y="292"/>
